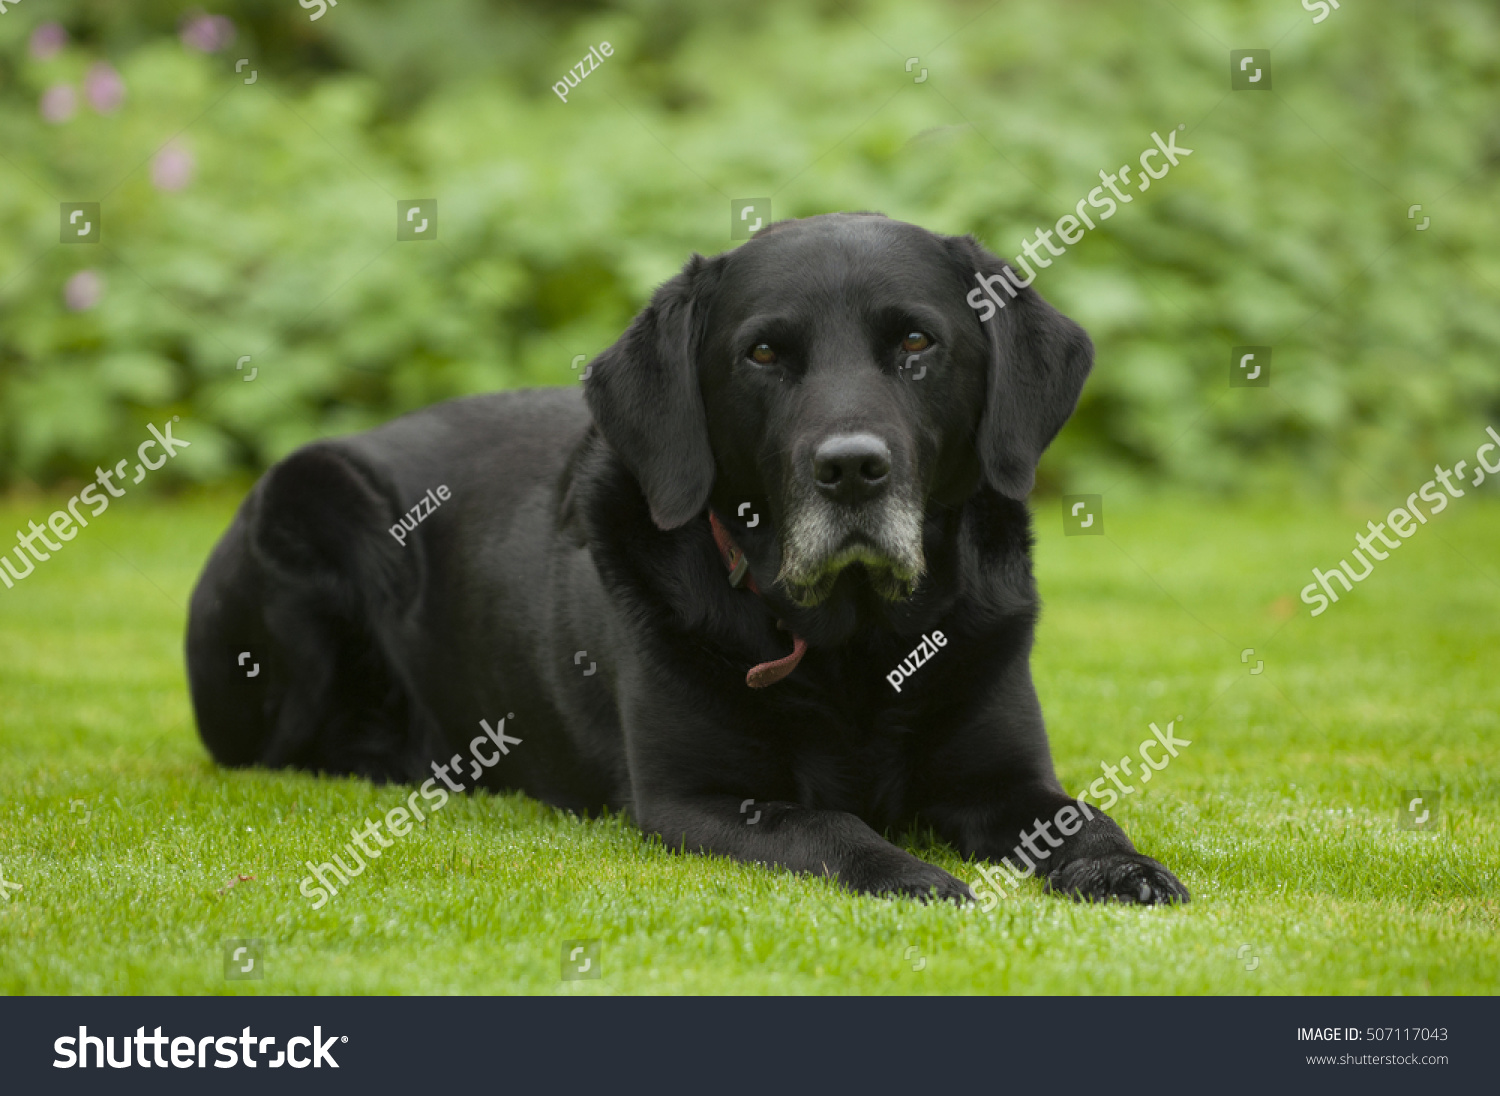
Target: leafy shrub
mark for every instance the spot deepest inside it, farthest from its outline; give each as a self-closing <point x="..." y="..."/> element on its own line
<point x="259" y="219"/>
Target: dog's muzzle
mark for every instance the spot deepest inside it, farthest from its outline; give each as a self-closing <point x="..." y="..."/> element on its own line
<point x="851" y="505"/>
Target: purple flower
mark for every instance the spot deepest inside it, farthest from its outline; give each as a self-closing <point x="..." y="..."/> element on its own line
<point x="172" y="169"/>
<point x="48" y="40"/>
<point x="103" y="88"/>
<point x="59" y="103"/>
<point x="205" y="33"/>
<point x="83" y="290"/>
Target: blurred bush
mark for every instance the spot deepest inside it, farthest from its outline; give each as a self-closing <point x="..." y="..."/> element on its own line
<point x="259" y="219"/>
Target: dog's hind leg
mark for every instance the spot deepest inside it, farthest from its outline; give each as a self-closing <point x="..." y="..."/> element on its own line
<point x="287" y="657"/>
<point x="229" y="651"/>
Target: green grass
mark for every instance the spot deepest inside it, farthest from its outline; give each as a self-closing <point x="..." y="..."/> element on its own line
<point x="1281" y="816"/>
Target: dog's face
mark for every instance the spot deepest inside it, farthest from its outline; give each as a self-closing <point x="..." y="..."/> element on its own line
<point x="843" y="381"/>
<point x="831" y="374"/>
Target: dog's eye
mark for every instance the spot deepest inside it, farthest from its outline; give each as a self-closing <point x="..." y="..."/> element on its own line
<point x="763" y="354"/>
<point x="915" y="342"/>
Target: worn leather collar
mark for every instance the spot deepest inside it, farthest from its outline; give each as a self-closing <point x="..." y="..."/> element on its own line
<point x="766" y="673"/>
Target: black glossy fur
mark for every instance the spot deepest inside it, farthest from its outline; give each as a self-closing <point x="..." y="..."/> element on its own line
<point x="578" y="523"/>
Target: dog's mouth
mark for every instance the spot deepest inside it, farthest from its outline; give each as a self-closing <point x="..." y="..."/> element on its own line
<point x="885" y="545"/>
<point x="889" y="578"/>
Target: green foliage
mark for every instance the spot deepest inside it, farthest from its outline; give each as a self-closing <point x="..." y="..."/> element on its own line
<point x="1287" y="226"/>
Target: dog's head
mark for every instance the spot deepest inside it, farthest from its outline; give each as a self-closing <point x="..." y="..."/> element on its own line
<point x="831" y="374"/>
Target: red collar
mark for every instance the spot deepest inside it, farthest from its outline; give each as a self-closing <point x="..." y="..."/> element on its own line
<point x="766" y="673"/>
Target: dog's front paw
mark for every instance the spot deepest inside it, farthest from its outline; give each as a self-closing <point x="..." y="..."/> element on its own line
<point x="1125" y="877"/>
<point x="911" y="878"/>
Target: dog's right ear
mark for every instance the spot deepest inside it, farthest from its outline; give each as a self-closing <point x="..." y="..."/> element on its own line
<point x="644" y="394"/>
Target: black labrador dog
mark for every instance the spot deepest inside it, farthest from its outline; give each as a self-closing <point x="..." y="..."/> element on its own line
<point x="765" y="584"/>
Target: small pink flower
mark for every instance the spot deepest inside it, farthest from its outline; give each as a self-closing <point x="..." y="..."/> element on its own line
<point x="83" y="290"/>
<point x="205" y="33"/>
<point x="103" y="88"/>
<point x="59" y="103"/>
<point x="48" y="40"/>
<point x="172" y="169"/>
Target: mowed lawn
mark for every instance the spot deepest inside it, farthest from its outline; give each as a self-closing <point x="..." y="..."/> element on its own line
<point x="137" y="858"/>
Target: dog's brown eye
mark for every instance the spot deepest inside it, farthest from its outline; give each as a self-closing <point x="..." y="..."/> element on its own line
<point x="915" y="342"/>
<point x="763" y="354"/>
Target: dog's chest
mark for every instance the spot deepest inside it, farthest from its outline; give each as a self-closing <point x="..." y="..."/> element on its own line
<point x="836" y="765"/>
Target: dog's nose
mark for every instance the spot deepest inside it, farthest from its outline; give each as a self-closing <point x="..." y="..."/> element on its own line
<point x="852" y="468"/>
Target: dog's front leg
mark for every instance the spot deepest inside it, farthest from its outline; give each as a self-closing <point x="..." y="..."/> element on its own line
<point x="835" y="844"/>
<point x="998" y="799"/>
<point x="1035" y="826"/>
<point x="699" y="767"/>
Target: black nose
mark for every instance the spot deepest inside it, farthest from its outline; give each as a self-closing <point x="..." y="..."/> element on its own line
<point x="852" y="468"/>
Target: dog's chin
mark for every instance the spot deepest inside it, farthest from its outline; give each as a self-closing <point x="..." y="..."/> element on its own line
<point x="891" y="578"/>
<point x="878" y="544"/>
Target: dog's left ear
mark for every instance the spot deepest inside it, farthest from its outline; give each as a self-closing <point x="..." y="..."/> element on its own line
<point x="644" y="394"/>
<point x="1039" y="360"/>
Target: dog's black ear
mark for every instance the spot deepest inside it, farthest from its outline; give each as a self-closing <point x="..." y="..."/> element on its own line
<point x="645" y="396"/>
<point x="1039" y="360"/>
